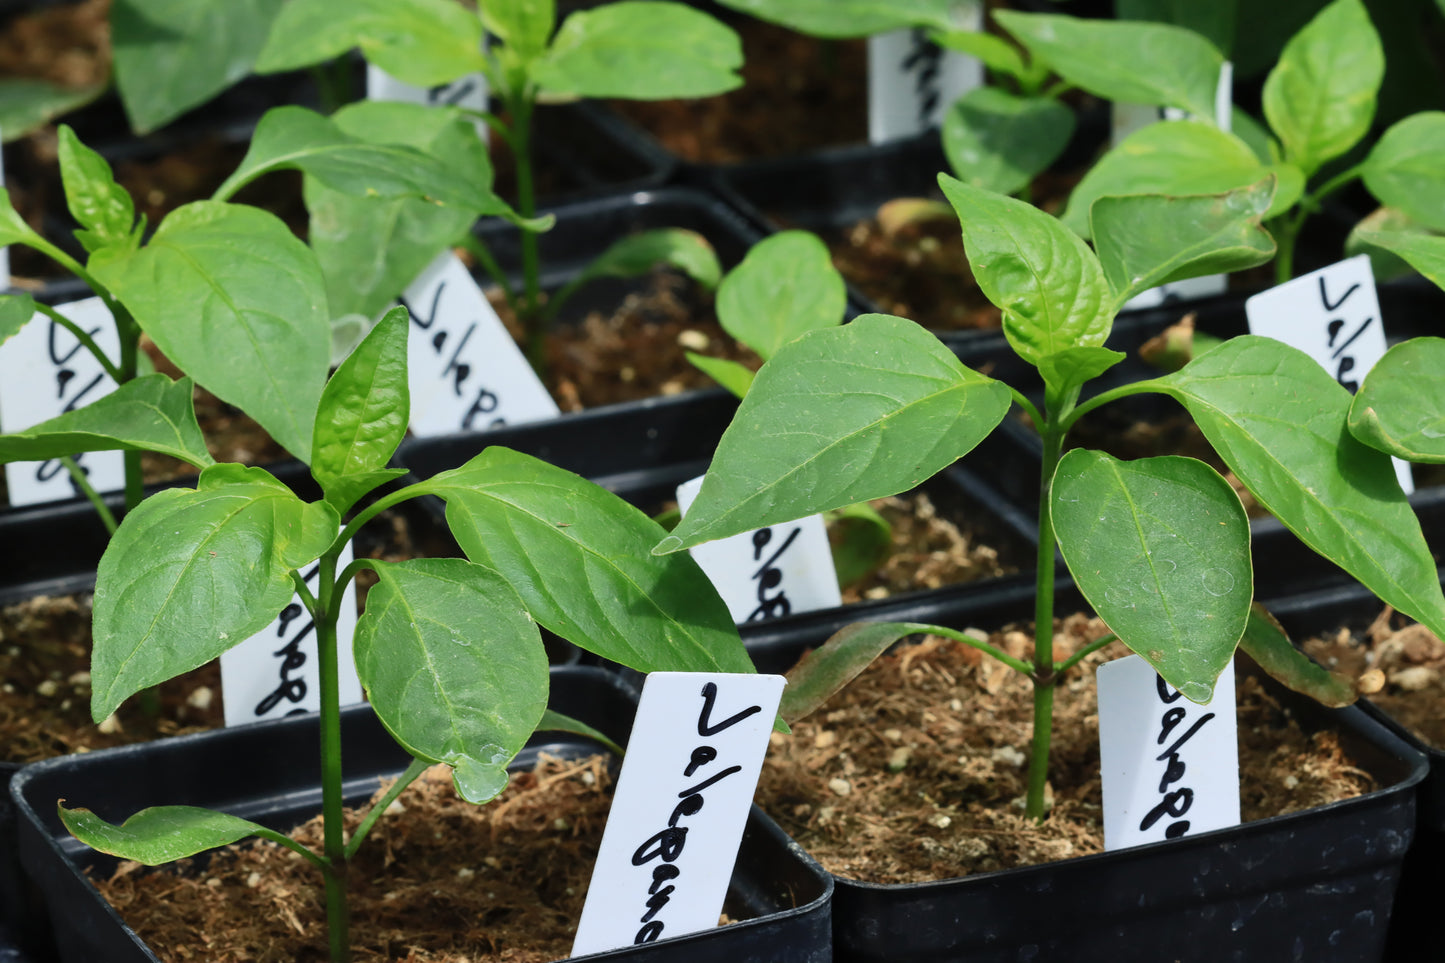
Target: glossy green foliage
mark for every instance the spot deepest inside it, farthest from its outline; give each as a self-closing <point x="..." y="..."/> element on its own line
<point x="1000" y="142"/>
<point x="852" y="18"/>
<point x="1425" y="253"/>
<point x="370" y="248"/>
<point x="1404" y="170"/>
<point x="1067" y="371"/>
<point x="1266" y="642"/>
<point x="27" y="105"/>
<point x="640" y="50"/>
<point x="641" y="253"/>
<point x="151" y="413"/>
<point x="13" y="229"/>
<point x="1160" y="548"/>
<point x="172" y="55"/>
<point x="363" y="415"/>
<point x="1180" y="157"/>
<point x="1215" y="21"/>
<point x="420" y="42"/>
<point x="524" y="25"/>
<point x="454" y="667"/>
<point x="785" y="287"/>
<point x="190" y="573"/>
<point x="839" y="416"/>
<point x="162" y="834"/>
<point x="1385" y="228"/>
<point x="579" y="557"/>
<point x="1129" y="61"/>
<point x="998" y="55"/>
<point x="238" y="303"/>
<point x="732" y="375"/>
<point x="1279" y="422"/>
<point x="1047" y="282"/>
<point x="103" y="209"/>
<point x="1400" y="407"/>
<point x="1320" y="97"/>
<point x="862" y="540"/>
<point x="16" y="310"/>
<point x="1147" y="240"/>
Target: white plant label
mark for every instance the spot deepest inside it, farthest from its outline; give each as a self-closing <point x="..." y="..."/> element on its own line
<point x="681" y="803"/>
<point x="1170" y="767"/>
<point x="770" y="572"/>
<point x="275" y="673"/>
<point x="464" y="370"/>
<point x="1127" y="118"/>
<point x="912" y="82"/>
<point x="1332" y="315"/>
<point x="469" y="91"/>
<point x="45" y="372"/>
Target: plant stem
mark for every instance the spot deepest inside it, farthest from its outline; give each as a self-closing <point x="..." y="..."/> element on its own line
<point x="417" y="767"/>
<point x="1044" y="676"/>
<point x="85" y="340"/>
<point x="1084" y="653"/>
<point x="521" y="108"/>
<point x="966" y="639"/>
<point x="333" y="828"/>
<point x="77" y="476"/>
<point x="478" y="249"/>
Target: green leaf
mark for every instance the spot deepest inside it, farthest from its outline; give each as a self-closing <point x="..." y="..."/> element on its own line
<point x="370" y="249"/>
<point x="171" y="55"/>
<point x="1425" y="253"/>
<point x="641" y="50"/>
<point x="1320" y="97"/>
<point x="578" y="555"/>
<point x="26" y="105"/>
<point x="419" y="42"/>
<point x="825" y="670"/>
<point x="1160" y="548"/>
<point x="553" y="721"/>
<point x="1279" y="422"/>
<point x="1043" y="277"/>
<point x="230" y="295"/>
<point x="1000" y="142"/>
<point x="785" y="287"/>
<point x="997" y="54"/>
<point x="1252" y="132"/>
<point x="453" y="666"/>
<point x="1400" y="407"/>
<point x="640" y="253"/>
<point x="16" y="310"/>
<point x="1375" y="235"/>
<point x="1150" y="239"/>
<point x="101" y="206"/>
<point x="1215" y="21"/>
<point x="190" y="573"/>
<point x="1403" y="170"/>
<point x="862" y="540"/>
<point x="841" y="415"/>
<point x="524" y="25"/>
<point x="151" y="413"/>
<point x="1178" y="157"/>
<point x="1066" y="371"/>
<point x="363" y="414"/>
<point x="299" y="139"/>
<point x="854" y="18"/>
<point x="1266" y="642"/>
<point x="13" y="229"/>
<point x="159" y="835"/>
<point x="735" y="377"/>
<point x="1137" y="63"/>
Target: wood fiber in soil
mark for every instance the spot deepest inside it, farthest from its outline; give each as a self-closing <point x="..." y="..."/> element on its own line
<point x="1398" y="665"/>
<point x="799" y="94"/>
<point x="438" y="880"/>
<point x="916" y="770"/>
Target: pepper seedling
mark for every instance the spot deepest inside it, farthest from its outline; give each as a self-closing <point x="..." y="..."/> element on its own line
<point x="448" y="650"/>
<point x="606" y="51"/>
<point x="1160" y="547"/>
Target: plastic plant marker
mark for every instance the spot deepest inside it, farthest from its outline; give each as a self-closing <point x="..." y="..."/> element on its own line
<point x="465" y="371"/>
<point x="1169" y="767"/>
<point x="771" y="572"/>
<point x="1332" y="315"/>
<point x="912" y="81"/>
<point x="469" y="91"/>
<point x="677" y="816"/>
<point x="45" y="372"/>
<point x="275" y="672"/>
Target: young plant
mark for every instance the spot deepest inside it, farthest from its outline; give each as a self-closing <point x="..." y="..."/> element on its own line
<point x="1158" y="546"/>
<point x="1319" y="102"/>
<point x="609" y="51"/>
<point x="448" y="650"/>
<point x="226" y="291"/>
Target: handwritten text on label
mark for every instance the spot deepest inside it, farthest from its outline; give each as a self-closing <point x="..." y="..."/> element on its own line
<point x="1169" y="767"/>
<point x="912" y="82"/>
<point x="682" y="800"/>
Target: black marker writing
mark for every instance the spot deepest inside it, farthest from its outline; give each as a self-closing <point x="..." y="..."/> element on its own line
<point x="1174" y="802"/>
<point x="924" y="58"/>
<point x="770" y="576"/>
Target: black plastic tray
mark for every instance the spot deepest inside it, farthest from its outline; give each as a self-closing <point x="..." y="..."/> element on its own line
<point x="270" y="773"/>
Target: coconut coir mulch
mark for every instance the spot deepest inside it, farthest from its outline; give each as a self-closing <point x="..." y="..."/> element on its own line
<point x="916" y="771"/>
<point x="438" y="879"/>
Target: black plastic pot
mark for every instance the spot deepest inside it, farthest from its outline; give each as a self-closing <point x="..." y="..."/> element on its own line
<point x="270" y="773"/>
<point x="1314" y="886"/>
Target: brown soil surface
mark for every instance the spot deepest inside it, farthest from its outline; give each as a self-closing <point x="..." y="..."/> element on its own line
<point x="438" y="880"/>
<point x="799" y="94"/>
<point x="917" y="769"/>
<point x="1398" y="664"/>
<point x="63" y="43"/>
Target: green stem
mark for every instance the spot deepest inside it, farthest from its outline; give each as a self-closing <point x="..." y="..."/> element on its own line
<point x="86" y="340"/>
<point x="1028" y="406"/>
<point x="1083" y="654"/>
<point x="78" y="478"/>
<point x="1016" y="664"/>
<point x="1043" y="673"/>
<point x="295" y="847"/>
<point x="417" y="767"/>
<point x="332" y="801"/>
<point x="530" y="316"/>
<point x="373" y="510"/>
<point x="1287" y="229"/>
<point x="1332" y="185"/>
<point x="1103" y="398"/>
<point x="478" y="249"/>
<point x="333" y="84"/>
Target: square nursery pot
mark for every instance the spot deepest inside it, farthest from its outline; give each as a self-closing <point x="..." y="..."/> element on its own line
<point x="270" y="773"/>
<point x="1314" y="886"/>
<point x="1414" y="924"/>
